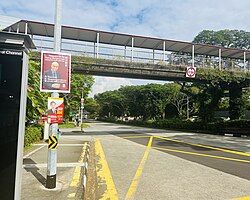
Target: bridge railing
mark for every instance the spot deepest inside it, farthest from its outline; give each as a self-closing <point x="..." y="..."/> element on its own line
<point x="114" y="52"/>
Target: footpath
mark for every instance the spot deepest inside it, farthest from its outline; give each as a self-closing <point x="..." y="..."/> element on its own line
<point x="69" y="160"/>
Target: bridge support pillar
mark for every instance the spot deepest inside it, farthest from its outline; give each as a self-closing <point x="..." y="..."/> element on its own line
<point x="236" y="103"/>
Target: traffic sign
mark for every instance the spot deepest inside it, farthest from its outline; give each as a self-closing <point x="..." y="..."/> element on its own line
<point x="191" y="72"/>
<point x="53" y="142"/>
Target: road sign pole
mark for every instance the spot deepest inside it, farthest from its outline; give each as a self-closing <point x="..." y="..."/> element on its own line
<point x="52" y="153"/>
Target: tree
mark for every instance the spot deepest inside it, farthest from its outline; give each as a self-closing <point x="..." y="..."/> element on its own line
<point x="226" y="38"/>
<point x="92" y="107"/>
<point x="36" y="100"/>
<point x="80" y="86"/>
<point x="111" y="103"/>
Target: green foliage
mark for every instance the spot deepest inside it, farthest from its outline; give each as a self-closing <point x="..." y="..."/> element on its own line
<point x="67" y="125"/>
<point x="236" y="102"/>
<point x="36" y="100"/>
<point x="84" y="125"/>
<point x="246" y="98"/>
<point x="111" y="104"/>
<point x="226" y="38"/>
<point x="223" y="77"/>
<point x="80" y="86"/>
<point x="92" y="107"/>
<point x="32" y="134"/>
<point x="145" y="102"/>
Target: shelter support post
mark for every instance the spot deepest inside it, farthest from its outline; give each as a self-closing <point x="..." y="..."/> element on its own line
<point x="132" y="49"/>
<point x="17" y="30"/>
<point x="153" y="56"/>
<point x="244" y="55"/>
<point x="219" y="59"/>
<point x="164" y="51"/>
<point x="26" y="28"/>
<point x="192" y="55"/>
<point x="125" y="52"/>
<point x="97" y="44"/>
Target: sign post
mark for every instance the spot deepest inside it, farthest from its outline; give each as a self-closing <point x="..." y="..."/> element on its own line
<point x="55" y="78"/>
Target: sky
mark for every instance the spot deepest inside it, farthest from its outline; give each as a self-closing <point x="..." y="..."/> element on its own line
<point x="169" y="19"/>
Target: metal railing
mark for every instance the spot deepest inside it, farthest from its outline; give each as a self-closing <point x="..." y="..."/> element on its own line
<point x="113" y="52"/>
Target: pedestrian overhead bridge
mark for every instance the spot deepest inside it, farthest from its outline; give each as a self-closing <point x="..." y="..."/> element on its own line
<point x="133" y="56"/>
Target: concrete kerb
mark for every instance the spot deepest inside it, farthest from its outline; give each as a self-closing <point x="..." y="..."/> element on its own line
<point x="80" y="176"/>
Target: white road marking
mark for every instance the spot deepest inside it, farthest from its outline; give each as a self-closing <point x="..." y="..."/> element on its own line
<point x="66" y="145"/>
<point x="44" y="165"/>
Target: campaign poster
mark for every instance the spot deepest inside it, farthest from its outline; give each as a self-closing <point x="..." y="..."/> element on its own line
<point x="55" y="72"/>
<point x="55" y="110"/>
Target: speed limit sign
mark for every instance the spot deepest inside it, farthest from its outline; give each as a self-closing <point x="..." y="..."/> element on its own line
<point x="191" y="72"/>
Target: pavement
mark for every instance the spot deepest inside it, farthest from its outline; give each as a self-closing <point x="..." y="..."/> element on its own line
<point x="35" y="170"/>
<point x="143" y="163"/>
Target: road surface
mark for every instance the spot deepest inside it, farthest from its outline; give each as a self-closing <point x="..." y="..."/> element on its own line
<point x="152" y="164"/>
<point x="146" y="164"/>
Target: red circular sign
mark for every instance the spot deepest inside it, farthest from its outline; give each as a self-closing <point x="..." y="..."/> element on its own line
<point x="191" y="72"/>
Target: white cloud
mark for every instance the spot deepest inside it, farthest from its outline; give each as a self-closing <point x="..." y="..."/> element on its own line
<point x="103" y="84"/>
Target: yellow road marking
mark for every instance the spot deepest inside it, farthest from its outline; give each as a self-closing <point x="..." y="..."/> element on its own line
<point x="242" y="198"/>
<point x="138" y="136"/>
<point x="200" y="154"/>
<point x="105" y="174"/>
<point x="132" y="189"/>
<point x="208" y="147"/>
<point x="77" y="173"/>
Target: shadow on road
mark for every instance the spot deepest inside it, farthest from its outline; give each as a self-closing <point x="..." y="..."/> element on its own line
<point x="34" y="170"/>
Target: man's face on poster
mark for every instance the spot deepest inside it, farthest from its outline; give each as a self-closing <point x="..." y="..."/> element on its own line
<point x="53" y="105"/>
<point x="54" y="66"/>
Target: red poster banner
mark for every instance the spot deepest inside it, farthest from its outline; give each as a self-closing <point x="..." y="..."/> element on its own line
<point x="55" y="72"/>
<point x="55" y="110"/>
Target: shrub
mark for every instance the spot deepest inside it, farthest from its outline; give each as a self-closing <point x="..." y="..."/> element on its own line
<point x="32" y="135"/>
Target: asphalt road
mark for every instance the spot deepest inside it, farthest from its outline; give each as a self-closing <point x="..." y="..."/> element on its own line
<point x="232" y="163"/>
<point x="159" y="164"/>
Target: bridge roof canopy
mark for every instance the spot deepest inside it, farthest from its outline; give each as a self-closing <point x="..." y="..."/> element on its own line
<point x="112" y="38"/>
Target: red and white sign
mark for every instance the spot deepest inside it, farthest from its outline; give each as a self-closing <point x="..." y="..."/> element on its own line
<point x="191" y="72"/>
<point x="55" y="110"/>
<point x="55" y="72"/>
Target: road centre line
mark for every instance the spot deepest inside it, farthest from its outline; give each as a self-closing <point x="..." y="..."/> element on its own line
<point x="34" y="151"/>
<point x="200" y="154"/>
<point x="44" y="165"/>
<point x="205" y="146"/>
<point x="134" y="184"/>
<point x="104" y="173"/>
